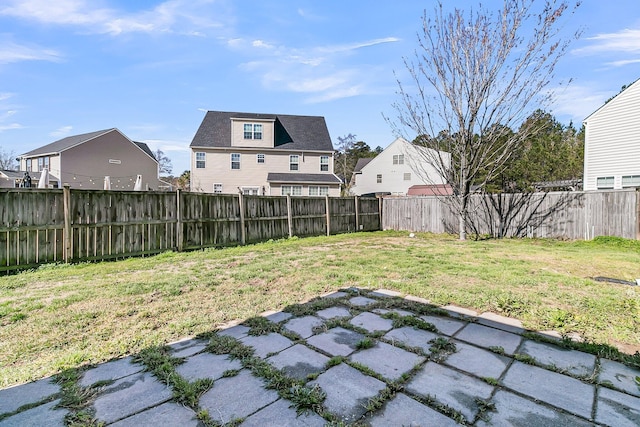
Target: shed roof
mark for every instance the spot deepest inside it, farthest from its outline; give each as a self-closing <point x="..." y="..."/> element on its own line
<point x="319" y="178"/>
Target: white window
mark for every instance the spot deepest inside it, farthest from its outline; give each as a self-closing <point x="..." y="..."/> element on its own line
<point x="235" y="161"/>
<point x="398" y="159"/>
<point x="293" y="190"/>
<point x="631" y="181"/>
<point x="260" y="158"/>
<point x="294" y="160"/>
<point x="604" y="183"/>
<point x="379" y="178"/>
<point x="407" y="176"/>
<point x="315" y="190"/>
<point x="217" y="188"/>
<point x="252" y="131"/>
<point x="29" y="165"/>
<point x="324" y="163"/>
<point x="200" y="162"/>
<point x="251" y="191"/>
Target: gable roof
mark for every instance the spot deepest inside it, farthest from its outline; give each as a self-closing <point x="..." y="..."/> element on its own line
<point x="362" y="162"/>
<point x="291" y="132"/>
<point x="66" y="143"/>
<point x="144" y="147"/>
<point x="612" y="100"/>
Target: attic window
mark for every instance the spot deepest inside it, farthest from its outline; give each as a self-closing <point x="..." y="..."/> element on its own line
<point x="398" y="159"/>
<point x="252" y="131"/>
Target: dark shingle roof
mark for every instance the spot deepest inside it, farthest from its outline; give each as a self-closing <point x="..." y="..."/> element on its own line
<point x="291" y="132"/>
<point x="320" y="178"/>
<point x="146" y="149"/>
<point x="66" y="143"/>
<point x="362" y="162"/>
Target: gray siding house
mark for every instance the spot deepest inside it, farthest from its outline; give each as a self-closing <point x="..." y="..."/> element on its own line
<point x="612" y="143"/>
<point x="263" y="154"/>
<point x="83" y="161"/>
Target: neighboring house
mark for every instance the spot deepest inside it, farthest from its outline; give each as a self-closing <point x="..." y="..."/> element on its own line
<point x="263" y="154"/>
<point x="612" y="143"/>
<point x="83" y="161"/>
<point x="14" y="179"/>
<point x="399" y="167"/>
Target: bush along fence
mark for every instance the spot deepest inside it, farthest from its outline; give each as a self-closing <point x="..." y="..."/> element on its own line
<point x="566" y="215"/>
<point x="39" y="226"/>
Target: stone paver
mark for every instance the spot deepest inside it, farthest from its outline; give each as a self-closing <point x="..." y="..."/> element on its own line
<point x="43" y="415"/>
<point x="404" y="411"/>
<point x="281" y="414"/>
<point x="553" y="388"/>
<point x="13" y="398"/>
<point x="575" y="362"/>
<point x="617" y="409"/>
<point x="130" y="395"/>
<point x="445" y="325"/>
<point x="348" y="391"/>
<point x="451" y="388"/>
<point x="238" y="331"/>
<point x="333" y="313"/>
<point x="299" y="361"/>
<point x="303" y="326"/>
<point x="371" y="322"/>
<point x="279" y="316"/>
<point x="393" y="310"/>
<point x="513" y="410"/>
<point x="236" y="397"/>
<point x="361" y="301"/>
<point x="338" y="294"/>
<point x="336" y="341"/>
<point x="508" y="324"/>
<point x="187" y="348"/>
<point x="486" y="337"/>
<point x="412" y="337"/>
<point x="619" y="376"/>
<point x="264" y="345"/>
<point x="113" y="370"/>
<point x="477" y="361"/>
<point x="207" y="365"/>
<point x="389" y="361"/>
<point x="167" y="414"/>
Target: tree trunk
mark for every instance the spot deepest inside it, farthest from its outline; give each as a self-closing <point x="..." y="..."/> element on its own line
<point x="462" y="217"/>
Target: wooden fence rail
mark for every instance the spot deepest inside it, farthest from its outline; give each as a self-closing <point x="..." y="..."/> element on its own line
<point x="569" y="215"/>
<point x="39" y="226"/>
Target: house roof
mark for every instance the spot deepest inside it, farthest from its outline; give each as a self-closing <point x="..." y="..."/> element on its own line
<point x="315" y="178"/>
<point x="610" y="101"/>
<point x="362" y="162"/>
<point x="65" y="143"/>
<point x="145" y="148"/>
<point x="291" y="132"/>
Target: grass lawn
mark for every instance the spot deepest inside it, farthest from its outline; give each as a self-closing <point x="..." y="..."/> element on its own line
<point x="63" y="316"/>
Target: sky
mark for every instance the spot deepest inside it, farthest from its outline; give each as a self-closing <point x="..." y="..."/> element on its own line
<point x="153" y="68"/>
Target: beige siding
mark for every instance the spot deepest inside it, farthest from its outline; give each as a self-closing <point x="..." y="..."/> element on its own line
<point x="218" y="170"/>
<point x="237" y="134"/>
<point x="612" y="139"/>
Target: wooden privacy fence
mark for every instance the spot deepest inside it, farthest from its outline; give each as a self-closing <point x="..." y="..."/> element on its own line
<point x="40" y="226"/>
<point x="569" y="215"/>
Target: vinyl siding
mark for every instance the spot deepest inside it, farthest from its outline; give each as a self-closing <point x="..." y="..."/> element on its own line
<point x="237" y="133"/>
<point x="612" y="139"/>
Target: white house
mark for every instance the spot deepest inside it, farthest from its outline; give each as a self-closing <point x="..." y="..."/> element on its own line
<point x="394" y="171"/>
<point x="612" y="143"/>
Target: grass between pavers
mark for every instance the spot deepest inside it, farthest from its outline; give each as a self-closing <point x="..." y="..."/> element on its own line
<point x="64" y="316"/>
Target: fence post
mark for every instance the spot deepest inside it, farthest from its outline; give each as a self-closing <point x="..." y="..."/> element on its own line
<point x="380" y="212"/>
<point x="289" y="216"/>
<point x="66" y="202"/>
<point x="179" y="229"/>
<point x="355" y="200"/>
<point x="243" y="235"/>
<point x="328" y="215"/>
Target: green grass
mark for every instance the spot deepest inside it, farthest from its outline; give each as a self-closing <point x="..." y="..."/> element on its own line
<point x="65" y="316"/>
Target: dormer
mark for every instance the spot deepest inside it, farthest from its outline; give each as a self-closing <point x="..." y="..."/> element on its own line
<point x="252" y="132"/>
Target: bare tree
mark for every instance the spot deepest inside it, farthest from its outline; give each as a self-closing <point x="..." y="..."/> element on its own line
<point x="475" y="76"/>
<point x="8" y="160"/>
<point x="164" y="163"/>
<point x="345" y="143"/>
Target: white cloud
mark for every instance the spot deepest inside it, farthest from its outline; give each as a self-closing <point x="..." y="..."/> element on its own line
<point x="174" y="16"/>
<point x="4" y="96"/>
<point x="624" y="43"/>
<point x="61" y="131"/>
<point x="577" y="102"/>
<point x="13" y="52"/>
<point x="10" y="126"/>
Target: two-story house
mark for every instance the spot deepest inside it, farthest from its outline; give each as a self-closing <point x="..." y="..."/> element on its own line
<point x="263" y="154"/>
<point x="401" y="169"/>
<point x="612" y="143"/>
<point x="84" y="161"/>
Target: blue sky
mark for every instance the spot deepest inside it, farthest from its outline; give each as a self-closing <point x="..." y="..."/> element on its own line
<point x="151" y="68"/>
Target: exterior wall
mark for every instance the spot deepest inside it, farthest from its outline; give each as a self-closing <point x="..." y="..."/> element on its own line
<point x="237" y="133"/>
<point x="393" y="176"/>
<point x="85" y="165"/>
<point x="334" y="190"/>
<point x="218" y="170"/>
<point x="612" y="140"/>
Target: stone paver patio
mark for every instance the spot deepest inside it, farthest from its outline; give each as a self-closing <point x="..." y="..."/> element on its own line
<point x="367" y="369"/>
